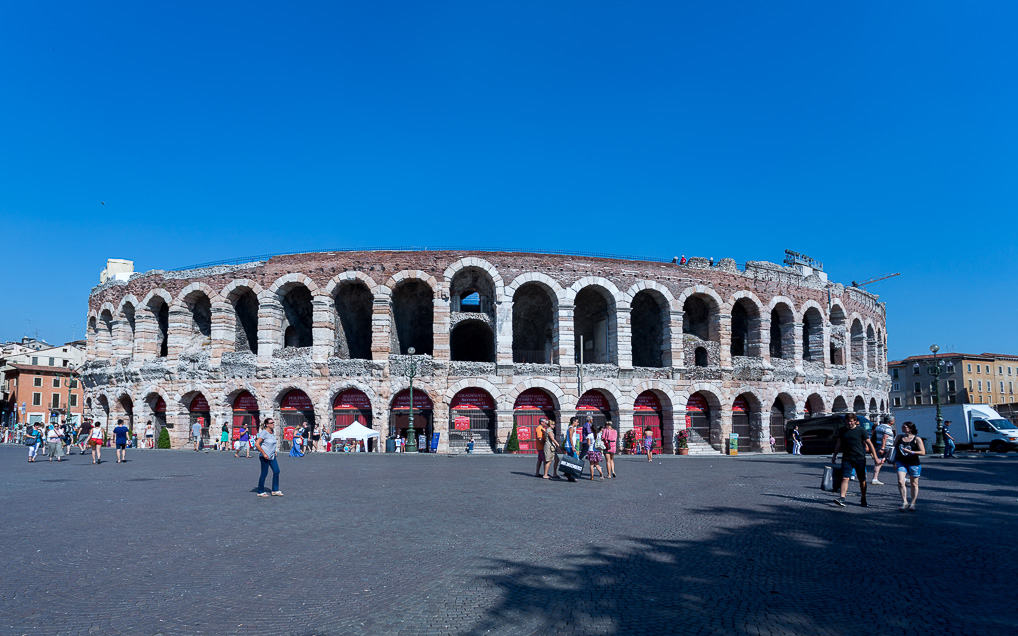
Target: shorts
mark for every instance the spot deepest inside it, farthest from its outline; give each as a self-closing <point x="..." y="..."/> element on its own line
<point x="94" y="442"/>
<point x="122" y="446"/>
<point x="913" y="471"/>
<point x="148" y="436"/>
<point x="858" y="464"/>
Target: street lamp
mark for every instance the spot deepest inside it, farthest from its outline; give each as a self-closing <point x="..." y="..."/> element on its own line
<point x="411" y="371"/>
<point x="938" y="446"/>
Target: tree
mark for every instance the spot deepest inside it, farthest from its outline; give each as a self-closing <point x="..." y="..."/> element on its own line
<point x="164" y="438"/>
<point x="513" y="444"/>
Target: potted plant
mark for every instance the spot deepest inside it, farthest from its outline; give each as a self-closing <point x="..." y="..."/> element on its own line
<point x="164" y="438"/>
<point x="512" y="445"/>
<point x="682" y="442"/>
<point x="629" y="442"/>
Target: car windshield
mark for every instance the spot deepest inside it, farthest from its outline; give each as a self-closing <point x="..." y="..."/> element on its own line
<point x="1002" y="424"/>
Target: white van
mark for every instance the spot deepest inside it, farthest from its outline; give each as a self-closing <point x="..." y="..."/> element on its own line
<point x="972" y="425"/>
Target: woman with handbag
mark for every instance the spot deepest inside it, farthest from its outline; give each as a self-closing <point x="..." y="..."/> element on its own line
<point x="610" y="438"/>
<point x="33" y="439"/>
<point x="908" y="447"/>
<point x="550" y="451"/>
<point x="594" y="454"/>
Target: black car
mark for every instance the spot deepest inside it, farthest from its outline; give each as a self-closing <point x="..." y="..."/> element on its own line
<point x="819" y="433"/>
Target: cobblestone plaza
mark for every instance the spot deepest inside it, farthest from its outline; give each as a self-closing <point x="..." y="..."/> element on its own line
<point x="175" y="542"/>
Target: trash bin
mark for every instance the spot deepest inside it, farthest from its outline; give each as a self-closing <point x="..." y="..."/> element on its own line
<point x="390" y="445"/>
<point x="733" y="444"/>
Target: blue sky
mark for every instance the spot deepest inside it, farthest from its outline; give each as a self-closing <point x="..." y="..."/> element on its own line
<point x="877" y="137"/>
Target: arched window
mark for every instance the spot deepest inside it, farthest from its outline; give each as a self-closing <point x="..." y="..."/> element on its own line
<point x="472" y="341"/>
<point x="648" y="319"/>
<point x="245" y="311"/>
<point x="858" y="344"/>
<point x="413" y="313"/>
<point x="700" y="358"/>
<point x="837" y="336"/>
<point x="745" y="328"/>
<point x="782" y="334"/>
<point x="594" y="326"/>
<point x="535" y="326"/>
<point x="298" y="316"/>
<point x="353" y="302"/>
<point x="812" y="335"/>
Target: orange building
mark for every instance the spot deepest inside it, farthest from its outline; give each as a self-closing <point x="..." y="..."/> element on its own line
<point x="37" y="393"/>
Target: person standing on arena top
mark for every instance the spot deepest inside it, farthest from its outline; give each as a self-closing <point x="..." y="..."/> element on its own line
<point x="853" y="444"/>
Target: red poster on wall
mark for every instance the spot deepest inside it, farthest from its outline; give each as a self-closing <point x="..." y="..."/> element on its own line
<point x="160" y="406"/>
<point x="461" y="423"/>
<point x="696" y="403"/>
<point x="472" y="399"/>
<point x="647" y="401"/>
<point x="421" y="400"/>
<point x="739" y="405"/>
<point x="199" y="403"/>
<point x="245" y="402"/>
<point x="351" y="399"/>
<point x="523" y="433"/>
<point x="288" y="433"/>
<point x="593" y="401"/>
<point x="534" y="399"/>
<point x="296" y="400"/>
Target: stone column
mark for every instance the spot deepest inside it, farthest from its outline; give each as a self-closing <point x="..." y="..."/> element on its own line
<point x="440" y="329"/>
<point x="566" y="353"/>
<point x="725" y="340"/>
<point x="623" y="338"/>
<point x="270" y="329"/>
<point x="223" y="331"/>
<point x="765" y="339"/>
<point x="381" y="330"/>
<point x="797" y="346"/>
<point x="504" y="334"/>
<point x="675" y="340"/>
<point x="178" y="330"/>
<point x="323" y="328"/>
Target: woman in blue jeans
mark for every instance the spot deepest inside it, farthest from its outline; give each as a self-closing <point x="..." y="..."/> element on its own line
<point x="266" y="442"/>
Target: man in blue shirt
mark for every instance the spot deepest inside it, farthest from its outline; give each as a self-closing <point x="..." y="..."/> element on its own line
<point x="120" y="439"/>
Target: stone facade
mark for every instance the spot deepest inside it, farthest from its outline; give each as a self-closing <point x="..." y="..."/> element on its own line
<point x="499" y="322"/>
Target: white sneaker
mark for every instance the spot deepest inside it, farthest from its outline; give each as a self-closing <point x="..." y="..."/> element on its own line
<point x="876" y="482"/>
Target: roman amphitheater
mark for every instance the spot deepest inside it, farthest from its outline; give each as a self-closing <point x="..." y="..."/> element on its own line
<point x="494" y="340"/>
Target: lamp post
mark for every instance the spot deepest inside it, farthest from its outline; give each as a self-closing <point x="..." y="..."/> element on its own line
<point x="938" y="446"/>
<point x="411" y="371"/>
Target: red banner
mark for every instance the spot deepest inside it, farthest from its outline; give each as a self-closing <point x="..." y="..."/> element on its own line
<point x="421" y="400"/>
<point x="461" y="423"/>
<point x="160" y="406"/>
<point x="593" y="401"/>
<point x="199" y="404"/>
<point x="696" y="403"/>
<point x="534" y="399"/>
<point x="523" y="433"/>
<point x="351" y="399"/>
<point x="740" y="405"/>
<point x="288" y="433"/>
<point x="296" y="400"/>
<point x="647" y="401"/>
<point x="472" y="399"/>
<point x="245" y="402"/>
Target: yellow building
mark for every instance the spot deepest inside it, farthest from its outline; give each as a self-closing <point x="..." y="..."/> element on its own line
<point x="985" y="378"/>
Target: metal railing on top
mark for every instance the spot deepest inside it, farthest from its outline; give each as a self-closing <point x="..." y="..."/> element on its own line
<point x="265" y="257"/>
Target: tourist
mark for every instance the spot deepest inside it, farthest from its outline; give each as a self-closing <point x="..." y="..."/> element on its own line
<point x="84" y="433"/>
<point x="422" y="443"/>
<point x="573" y="437"/>
<point x="648" y="443"/>
<point x="854" y="445"/>
<point x="539" y="444"/>
<point x="95" y="440"/>
<point x="796" y="441"/>
<point x="550" y="451"/>
<point x="266" y="443"/>
<point x="948" y="440"/>
<point x="120" y="439"/>
<point x="882" y="438"/>
<point x="54" y="444"/>
<point x="33" y="439"/>
<point x="224" y="438"/>
<point x="242" y="441"/>
<point x="908" y="447"/>
<point x="196" y="433"/>
<point x="593" y="454"/>
<point x="610" y="437"/>
<point x="150" y="432"/>
<point x="771" y="441"/>
<point x="588" y="428"/>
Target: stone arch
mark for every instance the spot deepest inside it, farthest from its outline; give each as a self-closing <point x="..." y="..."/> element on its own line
<point x="480" y="383"/>
<point x="650" y="325"/>
<point x="712" y="431"/>
<point x="782" y="409"/>
<point x="747" y="320"/>
<point x="750" y="423"/>
<point x="871" y="347"/>
<point x="472" y="341"/>
<point x="293" y="297"/>
<point x="570" y="293"/>
<point x="456" y="267"/>
<point x="412" y="310"/>
<point x="104" y="333"/>
<point x="857" y="337"/>
<point x="562" y="401"/>
<point x="278" y="286"/>
<point x="409" y="274"/>
<point x="814" y="405"/>
<point x="701" y="324"/>
<point x="595" y="324"/>
<point x="535" y="324"/>
<point x="859" y="405"/>
<point x="233" y="388"/>
<point x="352" y="295"/>
<point x="839" y="405"/>
<point x="782" y="328"/>
<point x="191" y="312"/>
<point x="839" y="334"/>
<point x="126" y="326"/>
<point x="812" y="335"/>
<point x="242" y="296"/>
<point x="350" y="276"/>
<point x="191" y="288"/>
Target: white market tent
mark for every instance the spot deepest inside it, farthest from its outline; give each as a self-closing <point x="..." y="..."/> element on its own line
<point x="356" y="431"/>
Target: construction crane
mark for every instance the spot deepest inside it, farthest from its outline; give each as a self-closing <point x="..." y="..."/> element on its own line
<point x="873" y="280"/>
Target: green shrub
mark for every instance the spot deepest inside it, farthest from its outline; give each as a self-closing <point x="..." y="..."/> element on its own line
<point x="513" y="445"/>
<point x="164" y="438"/>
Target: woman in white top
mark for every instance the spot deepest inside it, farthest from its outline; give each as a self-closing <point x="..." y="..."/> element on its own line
<point x="594" y="454"/>
<point x="150" y="432"/>
<point x="96" y="442"/>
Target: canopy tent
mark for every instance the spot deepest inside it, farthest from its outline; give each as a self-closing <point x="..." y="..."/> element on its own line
<point x="356" y="431"/>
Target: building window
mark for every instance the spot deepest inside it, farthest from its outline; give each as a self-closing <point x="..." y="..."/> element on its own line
<point x="951" y="399"/>
<point x="65" y="362"/>
<point x="1000" y="370"/>
<point x="1009" y="370"/>
<point x="897" y="401"/>
<point x="894" y="373"/>
<point x="950" y="386"/>
<point x="56" y="401"/>
<point x="52" y="362"/>
<point x="980" y="385"/>
<point x="977" y="368"/>
<point x="1010" y="387"/>
<point x="915" y="369"/>
<point x="970" y="367"/>
<point x="35" y="360"/>
<point x="949" y="368"/>
<point x="918" y="387"/>
<point x="74" y="383"/>
<point x="37" y="399"/>
<point x="896" y="387"/>
<point x="56" y="383"/>
<point x="1001" y="386"/>
<point x="918" y="399"/>
<point x="970" y="385"/>
<point x="73" y="401"/>
<point x="36" y="381"/>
